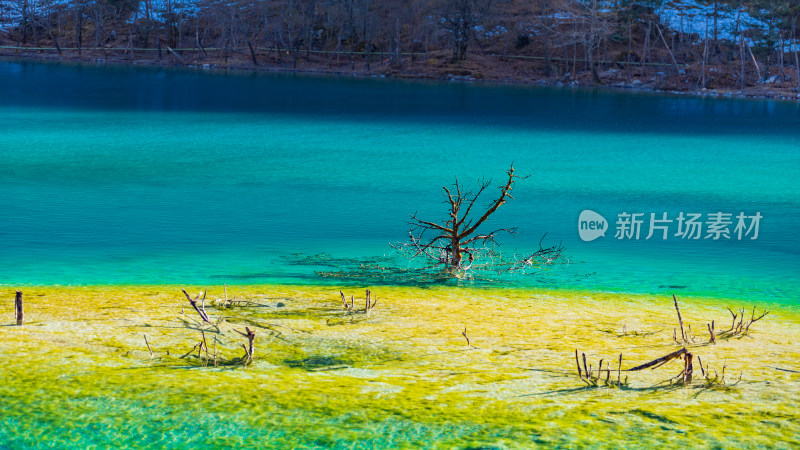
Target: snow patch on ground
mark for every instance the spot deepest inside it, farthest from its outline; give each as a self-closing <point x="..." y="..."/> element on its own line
<point x="693" y="17"/>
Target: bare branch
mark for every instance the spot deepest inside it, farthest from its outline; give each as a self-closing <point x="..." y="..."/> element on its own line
<point x="500" y="200"/>
<point x="483" y="186"/>
<point x="660" y="361"/>
<point x="201" y="312"/>
<point x="457" y="246"/>
<point x="430" y="224"/>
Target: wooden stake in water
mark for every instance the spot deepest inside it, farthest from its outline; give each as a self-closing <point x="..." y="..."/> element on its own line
<point x="18" y="312"/>
<point x="148" y="346"/>
<point x="680" y="321"/>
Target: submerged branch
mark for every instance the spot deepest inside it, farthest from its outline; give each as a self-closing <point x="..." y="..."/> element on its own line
<point x="201" y="312"/>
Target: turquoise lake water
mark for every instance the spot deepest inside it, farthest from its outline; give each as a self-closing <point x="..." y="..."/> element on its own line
<point x="122" y="175"/>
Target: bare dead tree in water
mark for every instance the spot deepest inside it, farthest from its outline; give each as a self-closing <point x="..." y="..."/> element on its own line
<point x="456" y="243"/>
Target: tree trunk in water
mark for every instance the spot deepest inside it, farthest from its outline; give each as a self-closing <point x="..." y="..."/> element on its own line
<point x="455" y="253"/>
<point x="18" y="311"/>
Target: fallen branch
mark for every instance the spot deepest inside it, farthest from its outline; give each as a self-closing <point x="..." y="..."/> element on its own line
<point x="658" y="362"/>
<point x="148" y="346"/>
<point x="180" y="58"/>
<point x="202" y="311"/>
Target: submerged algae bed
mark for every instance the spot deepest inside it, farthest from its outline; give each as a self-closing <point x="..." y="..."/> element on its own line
<point x="78" y="372"/>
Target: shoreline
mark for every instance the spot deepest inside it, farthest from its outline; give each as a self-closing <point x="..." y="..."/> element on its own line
<point x="435" y="290"/>
<point x="761" y="92"/>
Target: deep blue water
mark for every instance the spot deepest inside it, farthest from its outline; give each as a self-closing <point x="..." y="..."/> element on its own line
<point x="116" y="175"/>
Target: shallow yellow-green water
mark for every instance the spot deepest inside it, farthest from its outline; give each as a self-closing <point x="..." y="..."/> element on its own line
<point x="78" y="373"/>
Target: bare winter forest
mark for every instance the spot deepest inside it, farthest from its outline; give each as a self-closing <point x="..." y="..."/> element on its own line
<point x="679" y="45"/>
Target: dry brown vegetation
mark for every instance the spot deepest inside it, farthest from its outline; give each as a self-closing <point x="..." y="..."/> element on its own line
<point x="618" y="43"/>
<point x="737" y="330"/>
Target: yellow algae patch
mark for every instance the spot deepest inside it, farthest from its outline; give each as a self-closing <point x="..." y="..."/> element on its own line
<point x="79" y="373"/>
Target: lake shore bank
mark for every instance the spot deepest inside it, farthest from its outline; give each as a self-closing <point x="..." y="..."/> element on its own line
<point x="455" y="366"/>
<point x="479" y="69"/>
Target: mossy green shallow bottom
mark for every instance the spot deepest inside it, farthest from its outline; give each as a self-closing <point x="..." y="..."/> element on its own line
<point x="78" y="373"/>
